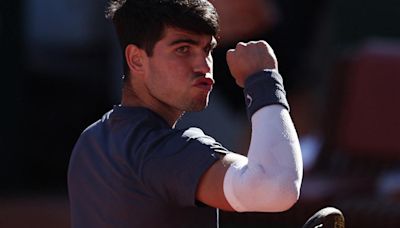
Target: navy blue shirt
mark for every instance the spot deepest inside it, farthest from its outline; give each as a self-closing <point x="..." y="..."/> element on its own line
<point x="131" y="169"/>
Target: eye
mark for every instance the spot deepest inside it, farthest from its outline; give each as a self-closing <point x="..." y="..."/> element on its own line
<point x="182" y="50"/>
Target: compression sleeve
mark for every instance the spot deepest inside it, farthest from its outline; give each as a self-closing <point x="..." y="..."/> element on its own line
<point x="269" y="178"/>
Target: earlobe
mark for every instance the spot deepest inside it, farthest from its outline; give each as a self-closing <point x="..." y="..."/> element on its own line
<point x="133" y="56"/>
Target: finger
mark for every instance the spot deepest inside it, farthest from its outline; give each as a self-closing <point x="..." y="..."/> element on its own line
<point x="240" y="47"/>
<point x="230" y="55"/>
<point x="241" y="44"/>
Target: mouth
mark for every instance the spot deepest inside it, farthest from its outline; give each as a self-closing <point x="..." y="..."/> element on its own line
<point x="204" y="84"/>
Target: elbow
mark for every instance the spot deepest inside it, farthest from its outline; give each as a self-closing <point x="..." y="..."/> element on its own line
<point x="288" y="199"/>
<point x="287" y="194"/>
<point x="277" y="195"/>
<point x="260" y="191"/>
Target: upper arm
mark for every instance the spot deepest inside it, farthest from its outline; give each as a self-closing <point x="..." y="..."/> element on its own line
<point x="210" y="190"/>
<point x="274" y="191"/>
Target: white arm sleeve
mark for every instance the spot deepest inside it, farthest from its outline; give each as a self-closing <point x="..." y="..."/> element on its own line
<point x="269" y="179"/>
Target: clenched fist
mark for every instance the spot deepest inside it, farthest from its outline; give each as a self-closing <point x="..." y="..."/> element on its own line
<point x="249" y="58"/>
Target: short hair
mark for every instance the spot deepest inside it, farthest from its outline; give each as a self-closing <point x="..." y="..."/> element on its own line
<point x="143" y="22"/>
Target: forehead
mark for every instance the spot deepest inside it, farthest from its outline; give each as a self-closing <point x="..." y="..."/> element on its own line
<point x="173" y="35"/>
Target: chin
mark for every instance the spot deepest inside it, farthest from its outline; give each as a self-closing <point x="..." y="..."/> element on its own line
<point x="197" y="106"/>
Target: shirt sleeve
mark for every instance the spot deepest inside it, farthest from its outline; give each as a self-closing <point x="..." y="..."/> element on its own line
<point x="175" y="161"/>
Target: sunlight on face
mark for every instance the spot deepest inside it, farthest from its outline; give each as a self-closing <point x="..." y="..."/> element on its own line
<point x="179" y="73"/>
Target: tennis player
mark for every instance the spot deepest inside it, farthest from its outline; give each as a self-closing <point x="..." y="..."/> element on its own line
<point x="132" y="168"/>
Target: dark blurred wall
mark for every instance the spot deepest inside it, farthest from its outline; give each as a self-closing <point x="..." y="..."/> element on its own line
<point x="11" y="70"/>
<point x="60" y="74"/>
<point x="348" y="24"/>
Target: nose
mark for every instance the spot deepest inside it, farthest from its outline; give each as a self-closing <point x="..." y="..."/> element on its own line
<point x="204" y="65"/>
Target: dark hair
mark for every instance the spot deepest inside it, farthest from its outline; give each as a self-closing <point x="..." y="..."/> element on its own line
<point x="143" y="22"/>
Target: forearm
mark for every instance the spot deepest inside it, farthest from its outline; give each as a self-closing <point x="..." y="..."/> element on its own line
<point x="270" y="178"/>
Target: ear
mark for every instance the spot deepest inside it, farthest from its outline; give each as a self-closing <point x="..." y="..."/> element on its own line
<point x="134" y="58"/>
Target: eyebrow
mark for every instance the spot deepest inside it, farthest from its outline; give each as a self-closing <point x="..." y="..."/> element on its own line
<point x="212" y="44"/>
<point x="184" y="40"/>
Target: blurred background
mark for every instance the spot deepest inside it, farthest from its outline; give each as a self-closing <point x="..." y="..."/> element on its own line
<point x="61" y="70"/>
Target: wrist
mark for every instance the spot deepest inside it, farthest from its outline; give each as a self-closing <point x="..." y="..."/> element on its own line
<point x="264" y="88"/>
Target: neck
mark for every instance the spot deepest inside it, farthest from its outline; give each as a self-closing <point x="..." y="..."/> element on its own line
<point x="130" y="98"/>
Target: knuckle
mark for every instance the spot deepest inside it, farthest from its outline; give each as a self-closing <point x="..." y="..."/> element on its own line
<point x="263" y="44"/>
<point x="240" y="45"/>
<point x="230" y="52"/>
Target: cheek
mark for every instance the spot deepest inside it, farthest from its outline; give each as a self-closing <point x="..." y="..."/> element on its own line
<point x="170" y="72"/>
<point x="168" y="78"/>
<point x="177" y="72"/>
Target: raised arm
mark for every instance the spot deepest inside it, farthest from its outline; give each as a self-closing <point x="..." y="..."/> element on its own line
<point x="269" y="178"/>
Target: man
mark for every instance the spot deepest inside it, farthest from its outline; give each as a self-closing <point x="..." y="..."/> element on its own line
<point x="132" y="168"/>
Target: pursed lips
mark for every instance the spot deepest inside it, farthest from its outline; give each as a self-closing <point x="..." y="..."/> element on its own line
<point x="204" y="83"/>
